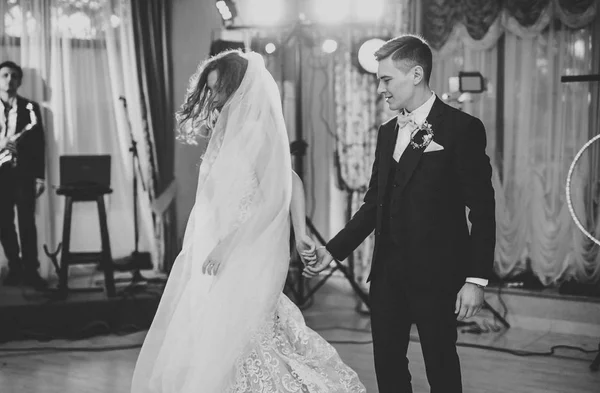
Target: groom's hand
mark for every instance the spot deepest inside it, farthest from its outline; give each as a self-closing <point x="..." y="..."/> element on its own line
<point x="468" y="301"/>
<point x="324" y="258"/>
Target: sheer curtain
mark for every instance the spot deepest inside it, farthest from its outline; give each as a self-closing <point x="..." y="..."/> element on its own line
<point x="546" y="123"/>
<point x="77" y="58"/>
<point x="464" y="58"/>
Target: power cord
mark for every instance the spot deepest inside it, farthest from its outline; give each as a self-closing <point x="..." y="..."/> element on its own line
<point x="515" y="352"/>
<point x="129" y="292"/>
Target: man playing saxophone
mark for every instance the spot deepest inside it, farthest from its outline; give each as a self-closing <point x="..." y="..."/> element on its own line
<point x="22" y="174"/>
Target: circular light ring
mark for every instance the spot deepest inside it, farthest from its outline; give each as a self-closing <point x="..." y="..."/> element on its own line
<point x="366" y="54"/>
<point x="569" y="203"/>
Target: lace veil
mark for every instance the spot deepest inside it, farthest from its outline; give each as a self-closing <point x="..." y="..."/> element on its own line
<point x="244" y="189"/>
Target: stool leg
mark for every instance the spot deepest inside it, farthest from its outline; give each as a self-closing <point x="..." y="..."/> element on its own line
<point x="66" y="249"/>
<point x="596" y="363"/>
<point x="106" y="260"/>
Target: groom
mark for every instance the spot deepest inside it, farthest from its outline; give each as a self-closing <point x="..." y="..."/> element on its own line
<point x="428" y="268"/>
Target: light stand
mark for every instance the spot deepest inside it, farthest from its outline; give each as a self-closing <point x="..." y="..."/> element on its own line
<point x="298" y="151"/>
<point x="595" y="365"/>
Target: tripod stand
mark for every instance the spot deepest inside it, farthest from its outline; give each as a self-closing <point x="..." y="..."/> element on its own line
<point x="302" y="298"/>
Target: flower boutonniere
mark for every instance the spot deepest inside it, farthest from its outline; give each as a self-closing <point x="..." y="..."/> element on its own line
<point x="421" y="136"/>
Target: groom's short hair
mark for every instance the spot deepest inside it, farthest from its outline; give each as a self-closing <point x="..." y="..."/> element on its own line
<point x="409" y="49"/>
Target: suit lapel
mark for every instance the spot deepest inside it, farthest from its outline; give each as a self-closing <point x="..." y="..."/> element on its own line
<point x="411" y="156"/>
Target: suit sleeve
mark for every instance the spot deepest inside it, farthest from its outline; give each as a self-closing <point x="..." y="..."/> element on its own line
<point x="32" y="149"/>
<point x="475" y="178"/>
<point x="365" y="219"/>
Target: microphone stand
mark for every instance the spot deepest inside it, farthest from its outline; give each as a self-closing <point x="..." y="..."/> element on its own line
<point x="137" y="259"/>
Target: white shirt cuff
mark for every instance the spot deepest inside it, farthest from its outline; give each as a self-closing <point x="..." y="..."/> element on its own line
<point x="477" y="281"/>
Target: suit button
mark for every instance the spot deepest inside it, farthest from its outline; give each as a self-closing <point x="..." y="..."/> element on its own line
<point x="381" y="205"/>
<point x="378" y="233"/>
<point x="395" y="185"/>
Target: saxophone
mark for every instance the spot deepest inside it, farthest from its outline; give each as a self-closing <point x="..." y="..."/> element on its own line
<point x="6" y="156"/>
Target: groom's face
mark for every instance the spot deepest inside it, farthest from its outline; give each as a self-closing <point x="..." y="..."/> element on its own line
<point x="396" y="85"/>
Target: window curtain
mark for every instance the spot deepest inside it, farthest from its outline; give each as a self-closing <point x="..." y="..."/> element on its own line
<point x="359" y="112"/>
<point x="77" y="62"/>
<point x="152" y="60"/>
<point x="544" y="123"/>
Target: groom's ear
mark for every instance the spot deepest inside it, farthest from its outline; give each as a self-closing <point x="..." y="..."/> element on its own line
<point x="419" y="74"/>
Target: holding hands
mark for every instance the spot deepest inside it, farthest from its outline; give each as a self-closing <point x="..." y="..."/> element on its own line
<point x="323" y="259"/>
<point x="315" y="259"/>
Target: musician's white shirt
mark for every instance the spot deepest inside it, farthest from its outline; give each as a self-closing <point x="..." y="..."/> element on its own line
<point x="12" y="119"/>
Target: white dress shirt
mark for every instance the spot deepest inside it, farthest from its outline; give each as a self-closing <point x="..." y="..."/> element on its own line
<point x="419" y="116"/>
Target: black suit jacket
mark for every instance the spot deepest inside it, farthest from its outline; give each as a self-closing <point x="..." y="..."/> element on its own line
<point x="31" y="147"/>
<point x="427" y="203"/>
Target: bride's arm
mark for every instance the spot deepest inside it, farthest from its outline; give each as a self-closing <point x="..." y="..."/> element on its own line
<point x="298" y="206"/>
<point x="304" y="244"/>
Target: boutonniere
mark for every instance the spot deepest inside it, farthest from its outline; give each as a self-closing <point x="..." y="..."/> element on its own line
<point x="421" y="136"/>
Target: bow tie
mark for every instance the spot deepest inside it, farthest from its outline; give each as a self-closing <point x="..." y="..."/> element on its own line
<point x="405" y="118"/>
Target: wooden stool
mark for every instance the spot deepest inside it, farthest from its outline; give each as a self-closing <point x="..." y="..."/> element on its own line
<point x="68" y="258"/>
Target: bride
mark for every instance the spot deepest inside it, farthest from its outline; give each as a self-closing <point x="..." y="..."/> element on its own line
<point x="223" y="323"/>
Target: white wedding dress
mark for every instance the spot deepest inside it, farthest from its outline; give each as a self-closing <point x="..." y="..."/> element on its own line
<point x="236" y="331"/>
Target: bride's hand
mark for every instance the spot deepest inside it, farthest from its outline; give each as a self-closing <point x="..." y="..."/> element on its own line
<point x="307" y="250"/>
<point x="211" y="266"/>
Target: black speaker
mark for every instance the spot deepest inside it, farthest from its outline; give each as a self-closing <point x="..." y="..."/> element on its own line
<point x="572" y="287"/>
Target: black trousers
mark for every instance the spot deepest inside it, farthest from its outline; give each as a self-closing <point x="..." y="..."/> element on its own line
<point x="395" y="306"/>
<point x="18" y="190"/>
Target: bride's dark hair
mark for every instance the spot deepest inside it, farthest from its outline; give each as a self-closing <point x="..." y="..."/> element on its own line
<point x="200" y="103"/>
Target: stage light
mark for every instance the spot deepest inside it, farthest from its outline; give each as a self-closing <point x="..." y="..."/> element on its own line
<point x="270" y="48"/>
<point x="264" y="12"/>
<point x="579" y="48"/>
<point x="465" y="97"/>
<point x="368" y="10"/>
<point x="329" y="46"/>
<point x="453" y="84"/>
<point x="331" y="11"/>
<point x="264" y="45"/>
<point x="366" y="54"/>
<point x="227" y="10"/>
